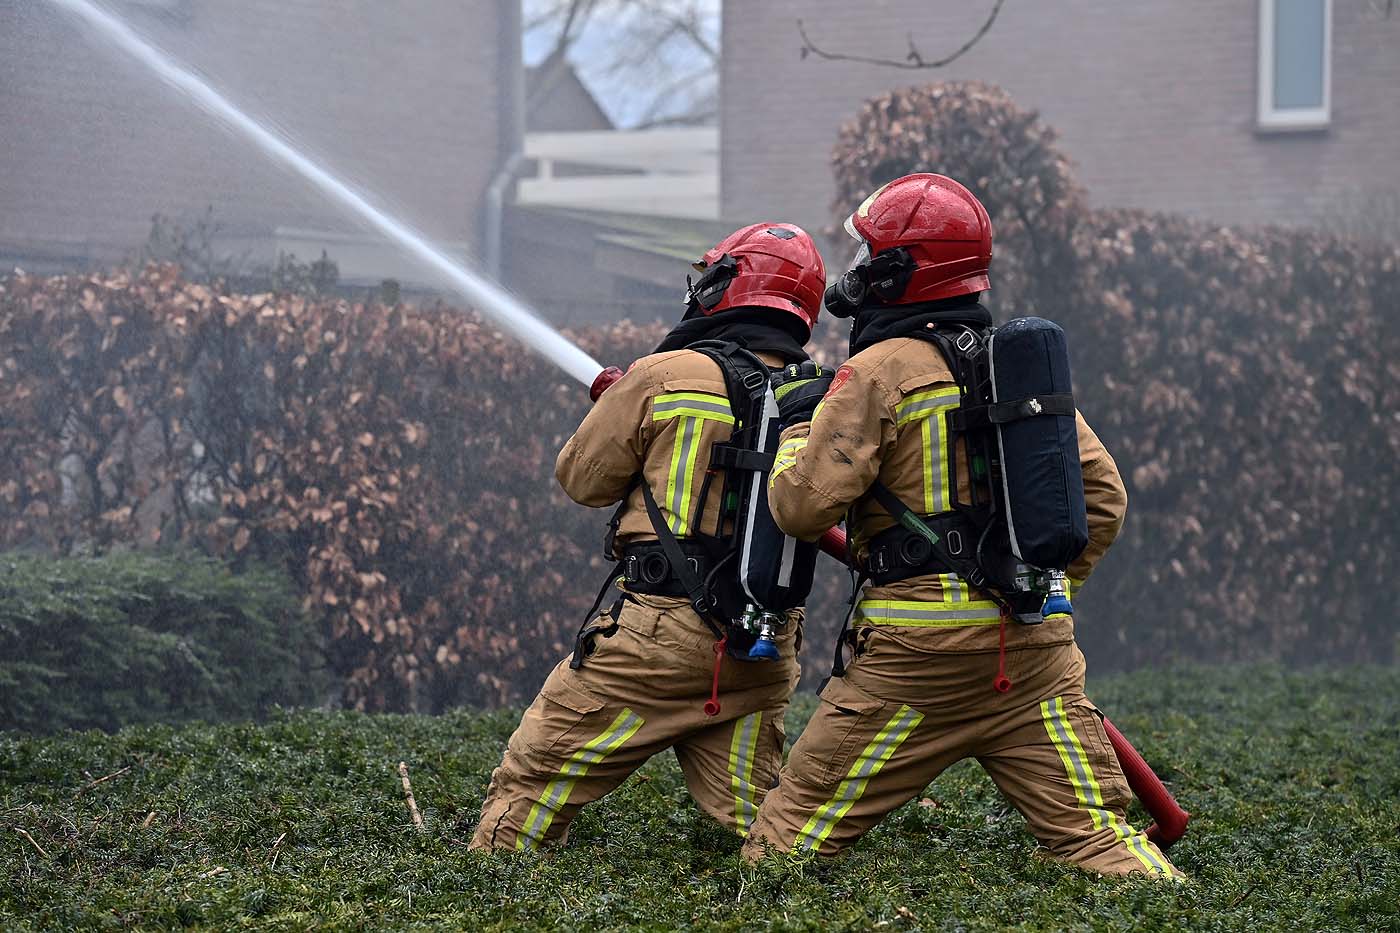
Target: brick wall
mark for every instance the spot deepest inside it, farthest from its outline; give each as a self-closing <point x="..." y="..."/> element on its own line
<point x="1156" y="102"/>
<point x="400" y="97"/>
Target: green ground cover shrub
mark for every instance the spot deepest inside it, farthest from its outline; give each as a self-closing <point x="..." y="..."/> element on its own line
<point x="1293" y="780"/>
<point x="138" y="638"/>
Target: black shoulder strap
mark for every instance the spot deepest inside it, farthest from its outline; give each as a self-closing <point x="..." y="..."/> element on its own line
<point x="745" y="376"/>
<point x="699" y="595"/>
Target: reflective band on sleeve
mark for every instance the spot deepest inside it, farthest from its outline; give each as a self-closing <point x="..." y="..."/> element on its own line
<point x="928" y="614"/>
<point x="741" y="758"/>
<point x="871" y="760"/>
<point x="693" y="405"/>
<point x="1087" y="790"/>
<point x="556" y="792"/>
<point x="786" y="457"/>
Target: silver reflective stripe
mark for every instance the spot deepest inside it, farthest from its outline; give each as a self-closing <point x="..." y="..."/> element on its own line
<point x="741" y="761"/>
<point x="557" y="792"/>
<point x="930" y="615"/>
<point x="925" y="406"/>
<point x="1086" y="788"/>
<point x="718" y="408"/>
<point x="871" y="760"/>
<point x="680" y="520"/>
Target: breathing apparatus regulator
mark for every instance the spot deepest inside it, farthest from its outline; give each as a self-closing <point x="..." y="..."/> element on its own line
<point x="883" y="277"/>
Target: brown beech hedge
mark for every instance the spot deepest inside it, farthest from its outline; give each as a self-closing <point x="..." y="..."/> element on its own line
<point x="397" y="461"/>
<point x="1248" y="382"/>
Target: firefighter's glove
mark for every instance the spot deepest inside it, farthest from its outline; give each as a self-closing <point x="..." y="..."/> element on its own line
<point x="798" y="389"/>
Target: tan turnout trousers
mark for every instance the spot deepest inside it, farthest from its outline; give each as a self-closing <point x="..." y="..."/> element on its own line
<point x="903" y="713"/>
<point x="640" y="693"/>
<point x="918" y="696"/>
<point x="642" y="689"/>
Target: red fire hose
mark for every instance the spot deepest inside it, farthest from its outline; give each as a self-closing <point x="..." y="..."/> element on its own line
<point x="1169" y="819"/>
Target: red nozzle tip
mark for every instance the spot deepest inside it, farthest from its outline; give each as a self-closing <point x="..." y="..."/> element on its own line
<point x="711" y="708"/>
<point x="604" y="381"/>
<point x="1002" y="684"/>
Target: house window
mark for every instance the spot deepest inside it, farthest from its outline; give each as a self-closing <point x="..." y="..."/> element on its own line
<point x="1295" y="64"/>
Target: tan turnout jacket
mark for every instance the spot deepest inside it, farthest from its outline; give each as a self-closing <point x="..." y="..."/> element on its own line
<point x="884" y="418"/>
<point x="642" y="684"/>
<point x="678" y="402"/>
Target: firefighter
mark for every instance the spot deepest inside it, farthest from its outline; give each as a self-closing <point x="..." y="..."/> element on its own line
<point x="939" y="672"/>
<point x="642" y="670"/>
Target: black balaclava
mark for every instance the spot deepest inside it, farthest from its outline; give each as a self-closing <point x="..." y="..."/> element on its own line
<point x="757" y="329"/>
<point x="876" y="322"/>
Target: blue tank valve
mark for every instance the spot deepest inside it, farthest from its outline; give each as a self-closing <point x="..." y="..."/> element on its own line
<point x="1057" y="597"/>
<point x="764" y="649"/>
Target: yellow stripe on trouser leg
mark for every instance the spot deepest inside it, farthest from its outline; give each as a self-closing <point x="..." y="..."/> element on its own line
<point x="741" y="758"/>
<point x="871" y="760"/>
<point x="1086" y="786"/>
<point x="556" y="792"/>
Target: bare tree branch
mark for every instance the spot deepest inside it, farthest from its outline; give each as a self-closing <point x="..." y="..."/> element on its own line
<point x="648" y="62"/>
<point x="913" y="60"/>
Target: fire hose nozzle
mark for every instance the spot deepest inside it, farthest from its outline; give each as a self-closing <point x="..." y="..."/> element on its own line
<point x="833" y="542"/>
<point x="604" y="381"/>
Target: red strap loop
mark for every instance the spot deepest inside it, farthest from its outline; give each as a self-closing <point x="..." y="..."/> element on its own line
<point x="1001" y="683"/>
<point x="712" y="704"/>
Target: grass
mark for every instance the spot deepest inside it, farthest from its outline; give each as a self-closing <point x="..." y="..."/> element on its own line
<point x="1294" y="780"/>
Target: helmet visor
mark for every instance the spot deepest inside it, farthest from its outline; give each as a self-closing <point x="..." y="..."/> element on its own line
<point x="862" y="255"/>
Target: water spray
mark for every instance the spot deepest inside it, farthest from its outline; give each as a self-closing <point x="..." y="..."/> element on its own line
<point x="505" y="310"/>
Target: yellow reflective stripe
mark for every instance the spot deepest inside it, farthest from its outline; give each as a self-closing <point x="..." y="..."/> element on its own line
<point x="675" y="478"/>
<point x="853" y="786"/>
<point x="928" y="614"/>
<point x="693" y="413"/>
<point x="741" y="760"/>
<point x="680" y="483"/>
<point x="556" y="792"/>
<point x="818" y="410"/>
<point x="938" y="489"/>
<point x="929" y="459"/>
<point x="1074" y="586"/>
<point x="692" y="405"/>
<point x="786" y="457"/>
<point x="1087" y="789"/>
<point x="791" y="446"/>
<point x="928" y="408"/>
<point x="925" y="403"/>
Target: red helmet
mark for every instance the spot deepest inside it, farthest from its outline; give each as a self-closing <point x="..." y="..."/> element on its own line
<point x="762" y="265"/>
<point x="923" y="237"/>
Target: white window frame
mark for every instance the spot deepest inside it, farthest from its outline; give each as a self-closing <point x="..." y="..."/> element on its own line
<point x="1274" y="119"/>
